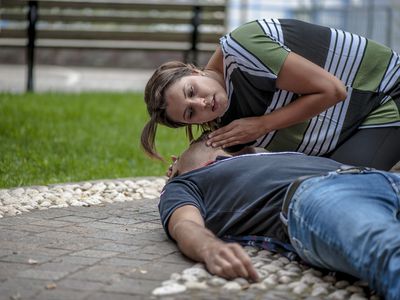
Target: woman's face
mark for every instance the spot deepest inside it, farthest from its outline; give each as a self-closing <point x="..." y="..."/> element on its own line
<point x="196" y="99"/>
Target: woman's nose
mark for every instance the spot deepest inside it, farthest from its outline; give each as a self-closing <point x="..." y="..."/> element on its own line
<point x="203" y="102"/>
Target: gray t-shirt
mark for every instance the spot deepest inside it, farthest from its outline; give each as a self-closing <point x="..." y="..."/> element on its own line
<point x="241" y="195"/>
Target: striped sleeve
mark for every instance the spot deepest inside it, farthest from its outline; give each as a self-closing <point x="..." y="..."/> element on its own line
<point x="262" y="45"/>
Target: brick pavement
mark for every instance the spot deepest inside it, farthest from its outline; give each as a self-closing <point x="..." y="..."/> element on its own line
<point x="114" y="251"/>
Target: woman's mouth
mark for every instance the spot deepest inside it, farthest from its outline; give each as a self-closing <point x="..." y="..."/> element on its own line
<point x="214" y="105"/>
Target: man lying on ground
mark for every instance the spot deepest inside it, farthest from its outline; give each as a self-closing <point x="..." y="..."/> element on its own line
<point x="336" y="217"/>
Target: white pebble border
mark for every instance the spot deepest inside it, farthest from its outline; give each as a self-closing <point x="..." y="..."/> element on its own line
<point x="24" y="199"/>
<point x="278" y="275"/>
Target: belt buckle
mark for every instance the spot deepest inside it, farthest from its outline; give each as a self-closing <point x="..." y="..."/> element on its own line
<point x="351" y="170"/>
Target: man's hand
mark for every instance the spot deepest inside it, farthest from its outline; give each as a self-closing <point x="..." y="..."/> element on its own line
<point x="228" y="260"/>
<point x="240" y="131"/>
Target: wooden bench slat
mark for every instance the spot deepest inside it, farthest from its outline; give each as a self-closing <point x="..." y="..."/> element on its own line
<point x="172" y="36"/>
<point x="121" y="4"/>
<point x="121" y="45"/>
<point x="71" y="18"/>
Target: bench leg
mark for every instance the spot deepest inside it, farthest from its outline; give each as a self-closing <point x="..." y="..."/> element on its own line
<point x="191" y="55"/>
<point x="32" y="18"/>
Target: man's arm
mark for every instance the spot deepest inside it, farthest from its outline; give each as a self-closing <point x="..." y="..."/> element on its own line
<point x="229" y="260"/>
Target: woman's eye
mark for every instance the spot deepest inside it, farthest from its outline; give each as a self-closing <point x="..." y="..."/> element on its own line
<point x="191" y="92"/>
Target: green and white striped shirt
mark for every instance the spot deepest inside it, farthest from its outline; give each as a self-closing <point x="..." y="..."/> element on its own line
<point x="254" y="54"/>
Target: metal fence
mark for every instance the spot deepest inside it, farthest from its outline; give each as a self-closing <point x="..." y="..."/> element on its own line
<point x="375" y="19"/>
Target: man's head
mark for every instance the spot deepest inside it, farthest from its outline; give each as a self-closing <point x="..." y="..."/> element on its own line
<point x="196" y="156"/>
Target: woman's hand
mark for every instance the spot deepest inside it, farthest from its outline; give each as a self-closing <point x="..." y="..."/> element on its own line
<point x="172" y="166"/>
<point x="229" y="260"/>
<point x="239" y="131"/>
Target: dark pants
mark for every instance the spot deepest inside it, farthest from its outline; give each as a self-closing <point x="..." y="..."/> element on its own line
<point x="375" y="147"/>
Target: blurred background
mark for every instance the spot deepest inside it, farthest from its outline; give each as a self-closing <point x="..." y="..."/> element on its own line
<point x="72" y="74"/>
<point x="376" y="19"/>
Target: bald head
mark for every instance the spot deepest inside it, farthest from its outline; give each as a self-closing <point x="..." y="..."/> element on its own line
<point x="196" y="156"/>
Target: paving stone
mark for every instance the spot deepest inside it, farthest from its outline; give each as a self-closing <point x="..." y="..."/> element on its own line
<point x="140" y="255"/>
<point x="33" y="228"/>
<point x="118" y="261"/>
<point x="115" y="296"/>
<point x="49" y="214"/>
<point x="177" y="258"/>
<point x="132" y="286"/>
<point x="118" y="247"/>
<point x="26" y="258"/>
<point x="18" y="220"/>
<point x="11" y="234"/>
<point x="94" y="253"/>
<point x="103" y="273"/>
<point x="80" y="285"/>
<point x="59" y="267"/>
<point x="20" y="287"/>
<point x="120" y="220"/>
<point x="42" y="274"/>
<point x="58" y="294"/>
<point x="76" y="260"/>
<point x="74" y="219"/>
<point x="50" y="223"/>
<point x="77" y="244"/>
<point x="9" y="269"/>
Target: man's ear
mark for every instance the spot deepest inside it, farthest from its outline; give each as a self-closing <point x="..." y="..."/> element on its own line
<point x="198" y="72"/>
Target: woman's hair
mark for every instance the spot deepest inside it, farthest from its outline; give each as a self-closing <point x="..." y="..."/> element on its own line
<point x="154" y="96"/>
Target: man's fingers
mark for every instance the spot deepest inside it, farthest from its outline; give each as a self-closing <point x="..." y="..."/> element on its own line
<point x="246" y="262"/>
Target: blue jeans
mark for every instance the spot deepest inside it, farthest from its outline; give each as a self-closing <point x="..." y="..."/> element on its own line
<point x="350" y="223"/>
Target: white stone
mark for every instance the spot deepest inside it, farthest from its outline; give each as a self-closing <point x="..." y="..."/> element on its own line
<point x="342" y="284"/>
<point x="169" y="289"/>
<point x="299" y="288"/>
<point x="232" y="286"/>
<point x="175" y="276"/>
<point x="338" y="295"/>
<point x="42" y="188"/>
<point x="355" y="289"/>
<point x="271" y="268"/>
<point x="195" y="285"/>
<point x="10" y="200"/>
<point x="196" y="272"/>
<point x="258" y="286"/>
<point x="217" y="281"/>
<point x="17" y="192"/>
<point x="319" y="291"/>
<point x="45" y="204"/>
<point x="284" y="279"/>
<point x="271" y="280"/>
<point x="357" y="297"/>
<point x="86" y="186"/>
<point x="188" y="277"/>
<point x="287" y="273"/>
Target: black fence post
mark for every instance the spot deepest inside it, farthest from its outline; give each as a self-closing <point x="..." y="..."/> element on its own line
<point x="32" y="19"/>
<point x="196" y="20"/>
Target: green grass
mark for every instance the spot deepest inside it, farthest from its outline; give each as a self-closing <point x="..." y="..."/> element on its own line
<point x="53" y="138"/>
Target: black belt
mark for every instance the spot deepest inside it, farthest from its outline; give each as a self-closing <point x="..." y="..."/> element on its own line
<point x="295" y="184"/>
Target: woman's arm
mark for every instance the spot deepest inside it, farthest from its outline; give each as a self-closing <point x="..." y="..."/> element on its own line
<point x="318" y="88"/>
<point x="228" y="260"/>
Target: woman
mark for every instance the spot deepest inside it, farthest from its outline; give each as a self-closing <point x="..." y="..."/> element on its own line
<point x="287" y="85"/>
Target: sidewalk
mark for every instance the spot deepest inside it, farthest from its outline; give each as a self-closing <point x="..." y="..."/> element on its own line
<point x="104" y="240"/>
<point x="73" y="79"/>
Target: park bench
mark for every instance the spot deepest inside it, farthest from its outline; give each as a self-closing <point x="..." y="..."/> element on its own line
<point x="188" y="26"/>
